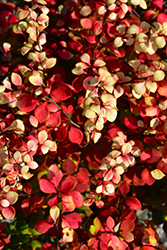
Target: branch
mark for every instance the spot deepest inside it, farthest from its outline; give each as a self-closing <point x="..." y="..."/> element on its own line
<point x="71" y="121"/>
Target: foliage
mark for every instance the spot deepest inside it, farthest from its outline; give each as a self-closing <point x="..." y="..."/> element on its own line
<point x="83" y="124"/>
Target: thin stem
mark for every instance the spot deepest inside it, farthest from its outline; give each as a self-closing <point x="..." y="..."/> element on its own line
<point x="71" y="121"/>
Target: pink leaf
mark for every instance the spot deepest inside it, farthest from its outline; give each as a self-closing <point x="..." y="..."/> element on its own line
<point x="42" y="226"/>
<point x="75" y="135"/>
<point x="42" y="112"/>
<point x="134" y="203"/>
<point x="77" y="198"/>
<point x="9" y="212"/>
<point x="127" y="225"/>
<point x="110" y="223"/>
<point x="86" y="23"/>
<point x="46" y="186"/>
<point x="72" y="220"/>
<point x="16" y="79"/>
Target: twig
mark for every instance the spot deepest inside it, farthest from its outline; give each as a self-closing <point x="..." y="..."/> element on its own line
<point x="71" y="121"/>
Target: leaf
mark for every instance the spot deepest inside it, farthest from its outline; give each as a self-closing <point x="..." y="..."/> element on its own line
<point x="75" y="135"/>
<point x="150" y="155"/>
<point x="126" y="148"/>
<point x="61" y="92"/>
<point x="147" y="177"/>
<point x="50" y="63"/>
<point x="8" y="212"/>
<point x="54" y="213"/>
<point x="55" y="174"/>
<point x="77" y="198"/>
<point x="159" y="75"/>
<point x="85" y="58"/>
<point x="67" y="203"/>
<point x="131" y="122"/>
<point x="95" y="227"/>
<point x="69" y="166"/>
<point x="42" y="112"/>
<point x="17" y="125"/>
<point x="110" y="223"/>
<point x="127" y="225"/>
<point x="42" y="226"/>
<point x="33" y="121"/>
<point x="12" y="197"/>
<point x="85" y="10"/>
<point x="68" y="184"/>
<point x="36" y="80"/>
<point x="27" y="103"/>
<point x="157" y="174"/>
<point x="133" y="203"/>
<point x="86" y="23"/>
<point x="72" y="220"/>
<point x="46" y="186"/>
<point x="42" y="136"/>
<point x="16" y="79"/>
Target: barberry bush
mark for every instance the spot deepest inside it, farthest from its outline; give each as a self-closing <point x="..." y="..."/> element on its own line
<point x="83" y="124"/>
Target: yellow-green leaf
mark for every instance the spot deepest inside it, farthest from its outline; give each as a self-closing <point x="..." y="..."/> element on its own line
<point x="157" y="174"/>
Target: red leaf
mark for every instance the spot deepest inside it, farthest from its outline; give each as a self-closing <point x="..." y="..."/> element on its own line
<point x="148" y="15"/>
<point x="61" y="133"/>
<point x="133" y="203"/>
<point x="72" y="220"/>
<point x="2" y="225"/>
<point x="127" y="225"/>
<point x="13" y="19"/>
<point x="8" y="212"/>
<point x="55" y="175"/>
<point x="63" y="53"/>
<point x="124" y="188"/>
<point x="54" y="120"/>
<point x="150" y="155"/>
<point x="68" y="184"/>
<point x="75" y="135"/>
<point x="42" y="226"/>
<point x="5" y="13"/>
<point x="131" y="122"/>
<point x="77" y="83"/>
<point x="46" y="186"/>
<point x="147" y="177"/>
<point x="42" y="112"/>
<point x="113" y="64"/>
<point x="53" y="202"/>
<point x="27" y="103"/>
<point x="69" y="166"/>
<point x="47" y="245"/>
<point x="4" y="240"/>
<point x="157" y="3"/>
<point x="61" y="92"/>
<point x="162" y="17"/>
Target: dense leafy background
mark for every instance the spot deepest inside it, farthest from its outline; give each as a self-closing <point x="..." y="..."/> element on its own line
<point x="83" y="124"/>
